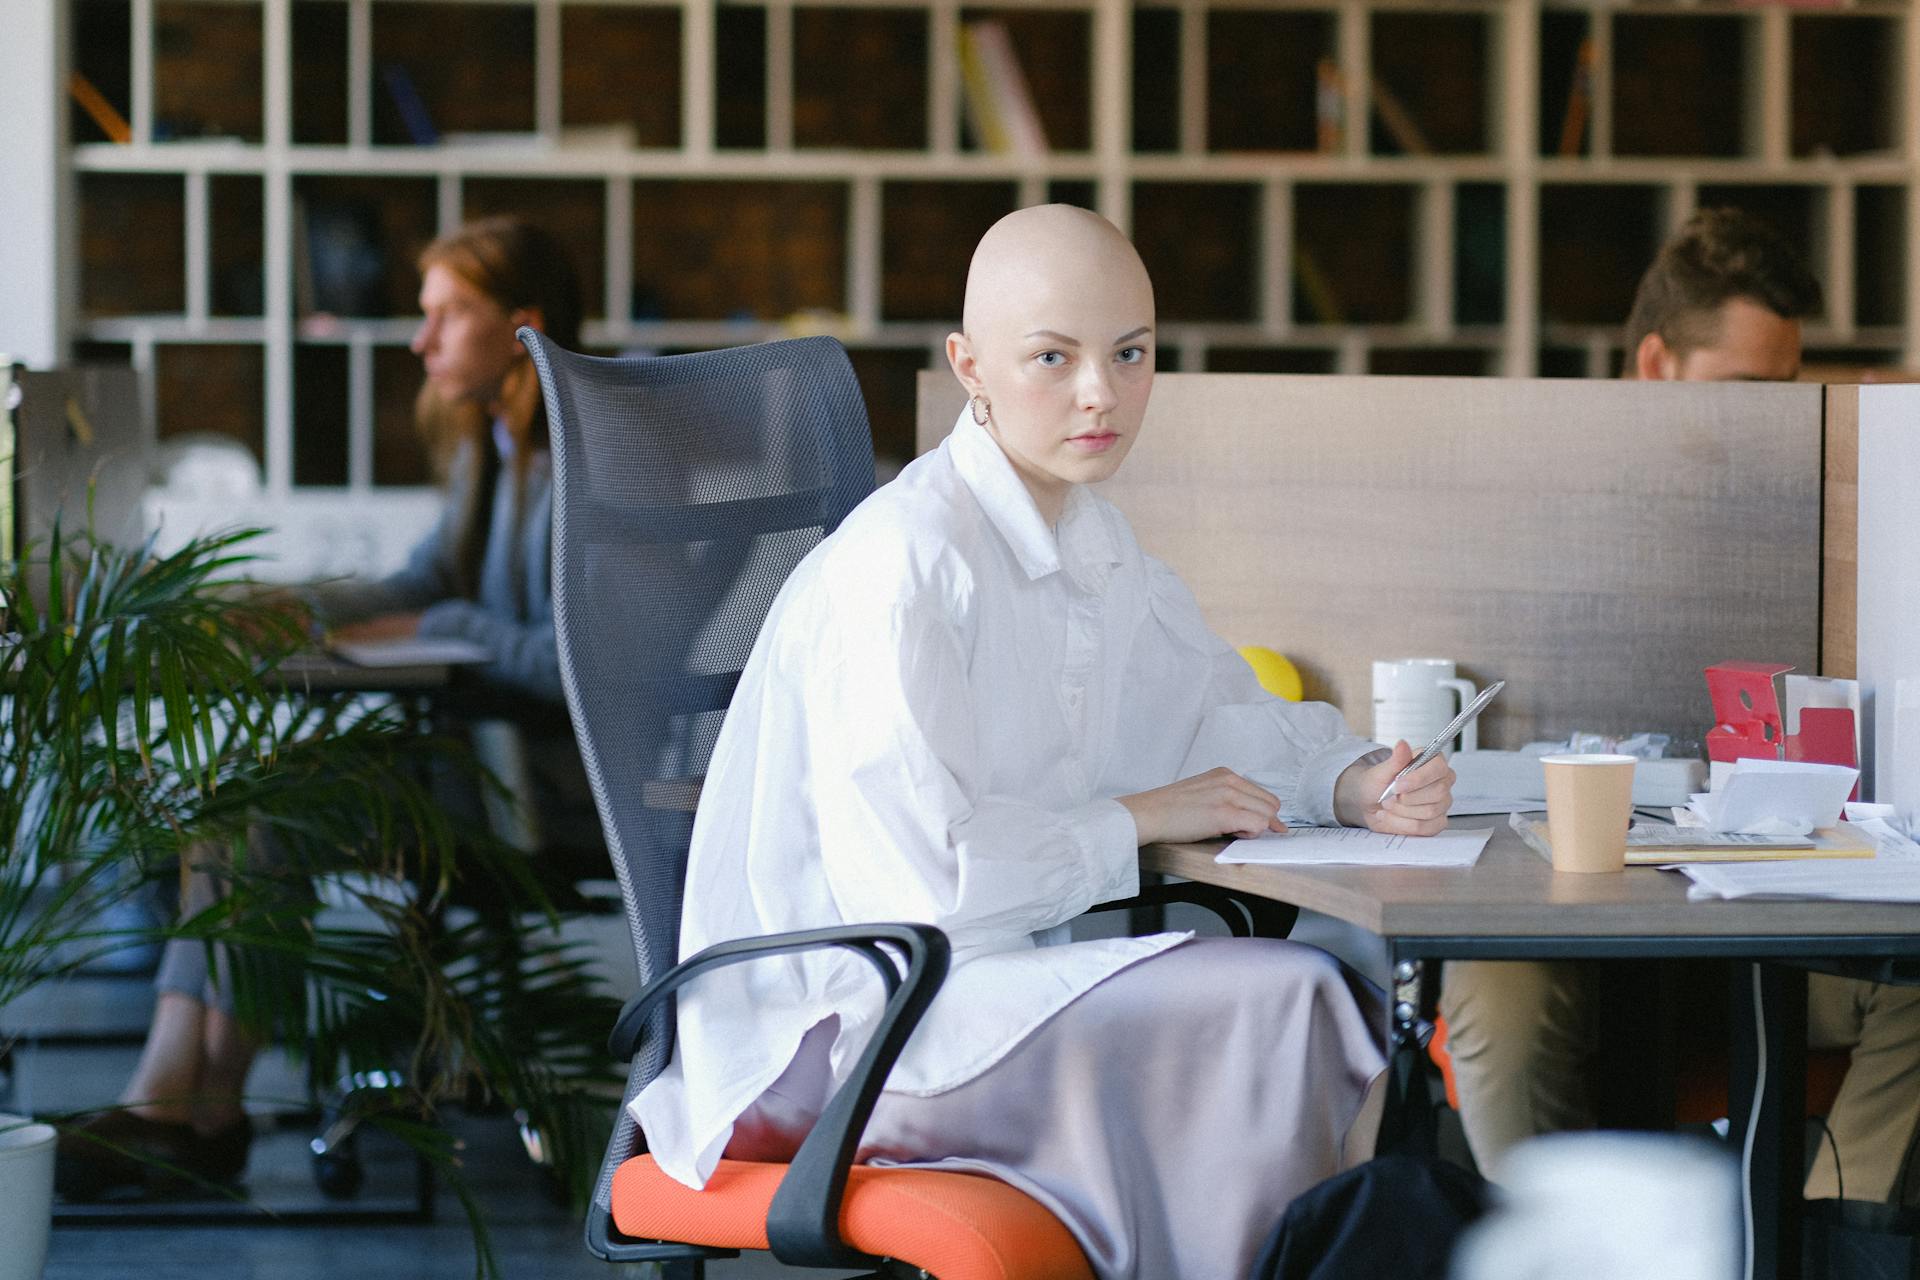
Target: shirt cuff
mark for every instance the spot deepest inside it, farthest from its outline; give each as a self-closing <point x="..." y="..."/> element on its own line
<point x="449" y="619"/>
<point x="1314" y="798"/>
<point x="1109" y="850"/>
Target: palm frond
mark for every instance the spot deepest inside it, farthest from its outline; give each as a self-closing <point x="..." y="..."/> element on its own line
<point x="146" y="733"/>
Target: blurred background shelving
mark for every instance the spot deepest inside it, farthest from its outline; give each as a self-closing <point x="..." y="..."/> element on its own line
<point x="1388" y="186"/>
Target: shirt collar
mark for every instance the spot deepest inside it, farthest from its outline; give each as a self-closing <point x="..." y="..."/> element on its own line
<point x="1081" y="543"/>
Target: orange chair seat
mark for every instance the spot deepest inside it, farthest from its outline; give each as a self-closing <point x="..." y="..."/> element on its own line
<point x="956" y="1226"/>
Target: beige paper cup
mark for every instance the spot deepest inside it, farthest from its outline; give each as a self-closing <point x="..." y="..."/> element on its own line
<point x="1589" y="804"/>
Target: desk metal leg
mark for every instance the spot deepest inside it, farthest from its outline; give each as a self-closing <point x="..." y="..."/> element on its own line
<point x="1769" y="1060"/>
<point x="1408" y="1124"/>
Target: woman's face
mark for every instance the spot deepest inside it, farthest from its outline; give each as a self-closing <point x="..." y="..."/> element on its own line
<point x="465" y="338"/>
<point x="1062" y="352"/>
<point x="1067" y="396"/>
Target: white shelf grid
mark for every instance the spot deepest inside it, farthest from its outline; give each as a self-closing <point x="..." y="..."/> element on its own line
<point x="1512" y="161"/>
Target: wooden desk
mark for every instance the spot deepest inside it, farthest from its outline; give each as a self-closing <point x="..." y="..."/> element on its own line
<point x="323" y="672"/>
<point x="1512" y="905"/>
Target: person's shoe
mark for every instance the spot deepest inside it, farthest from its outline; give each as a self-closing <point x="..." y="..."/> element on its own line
<point x="119" y="1149"/>
<point x="221" y="1156"/>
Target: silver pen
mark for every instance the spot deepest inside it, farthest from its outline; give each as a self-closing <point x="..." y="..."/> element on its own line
<point x="1454" y="726"/>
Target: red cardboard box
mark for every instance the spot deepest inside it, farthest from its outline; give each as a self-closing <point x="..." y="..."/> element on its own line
<point x="1747" y="720"/>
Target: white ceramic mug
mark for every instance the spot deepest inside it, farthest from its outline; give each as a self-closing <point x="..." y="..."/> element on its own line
<point x="1413" y="698"/>
<point x="26" y="1196"/>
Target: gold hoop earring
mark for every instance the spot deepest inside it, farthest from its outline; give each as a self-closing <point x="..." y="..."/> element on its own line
<point x="974" y="406"/>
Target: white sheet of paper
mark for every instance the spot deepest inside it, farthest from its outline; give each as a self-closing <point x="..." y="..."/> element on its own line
<point x="420" y="651"/>
<point x="1879" y="879"/>
<point x="1357" y="846"/>
<point x="1777" y="797"/>
<point x="1889" y="842"/>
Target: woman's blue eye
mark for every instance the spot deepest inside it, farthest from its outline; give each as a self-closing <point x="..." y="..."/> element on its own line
<point x="1051" y="359"/>
<point x="1132" y="355"/>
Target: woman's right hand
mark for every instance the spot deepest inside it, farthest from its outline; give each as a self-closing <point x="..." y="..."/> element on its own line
<point x="1218" y="802"/>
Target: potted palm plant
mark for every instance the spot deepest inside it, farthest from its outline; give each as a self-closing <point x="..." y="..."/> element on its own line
<point x="146" y="722"/>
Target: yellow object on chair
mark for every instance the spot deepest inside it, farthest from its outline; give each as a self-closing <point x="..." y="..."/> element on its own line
<point x="1277" y="676"/>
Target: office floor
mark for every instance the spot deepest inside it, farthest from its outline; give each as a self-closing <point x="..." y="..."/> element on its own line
<point x="532" y="1237"/>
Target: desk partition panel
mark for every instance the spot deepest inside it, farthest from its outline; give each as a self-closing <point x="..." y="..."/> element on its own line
<point x="1840" y="532"/>
<point x="1594" y="544"/>
<point x="1872" y="576"/>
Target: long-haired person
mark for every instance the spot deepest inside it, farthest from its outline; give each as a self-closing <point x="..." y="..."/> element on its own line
<point x="481" y="574"/>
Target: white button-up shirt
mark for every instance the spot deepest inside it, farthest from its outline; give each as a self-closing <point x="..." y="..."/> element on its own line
<point x="944" y="701"/>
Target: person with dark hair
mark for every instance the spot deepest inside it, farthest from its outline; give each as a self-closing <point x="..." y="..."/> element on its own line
<point x="481" y="575"/>
<point x="1723" y="302"/>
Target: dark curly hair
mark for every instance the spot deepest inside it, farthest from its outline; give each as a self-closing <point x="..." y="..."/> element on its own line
<point x="1719" y="254"/>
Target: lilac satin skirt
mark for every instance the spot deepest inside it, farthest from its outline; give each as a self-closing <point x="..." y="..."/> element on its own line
<point x="1167" y="1116"/>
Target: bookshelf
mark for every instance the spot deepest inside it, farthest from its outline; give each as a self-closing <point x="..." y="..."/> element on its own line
<point x="1317" y="185"/>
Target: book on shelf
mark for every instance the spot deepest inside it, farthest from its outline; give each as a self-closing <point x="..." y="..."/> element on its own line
<point x="1316" y="288"/>
<point x="1329" y="107"/>
<point x="1330" y="112"/>
<point x="339" y="260"/>
<point x="994" y="92"/>
<point x="405" y="95"/>
<point x="1573" y="126"/>
<point x="98" y="109"/>
<point x="1396" y="119"/>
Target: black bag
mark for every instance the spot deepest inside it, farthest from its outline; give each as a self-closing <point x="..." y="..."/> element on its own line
<point x="1395" y="1216"/>
<point x="1860" y="1240"/>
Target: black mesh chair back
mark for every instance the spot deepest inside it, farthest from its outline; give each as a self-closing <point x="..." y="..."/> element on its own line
<point x="686" y="489"/>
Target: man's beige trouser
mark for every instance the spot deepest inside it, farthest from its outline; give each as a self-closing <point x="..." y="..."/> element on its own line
<point x="1522" y="1036"/>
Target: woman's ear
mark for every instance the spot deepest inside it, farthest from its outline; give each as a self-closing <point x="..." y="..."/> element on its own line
<point x="532" y="317"/>
<point x="965" y="366"/>
<point x="1654" y="360"/>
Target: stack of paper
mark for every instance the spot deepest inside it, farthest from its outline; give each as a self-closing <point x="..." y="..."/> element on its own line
<point x="1879" y="822"/>
<point x="1871" y="880"/>
<point x="1773" y="798"/>
<point x="1660" y="845"/>
<point x="1891" y="875"/>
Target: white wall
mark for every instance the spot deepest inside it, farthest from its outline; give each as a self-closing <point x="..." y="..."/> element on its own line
<point x="315" y="533"/>
<point x="1888" y="613"/>
<point x="33" y="187"/>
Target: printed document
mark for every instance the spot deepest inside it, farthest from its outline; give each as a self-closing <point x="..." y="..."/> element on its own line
<point x="1357" y="846"/>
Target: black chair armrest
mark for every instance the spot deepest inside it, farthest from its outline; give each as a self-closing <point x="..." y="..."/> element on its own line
<point x="803" y="1222"/>
<point x="1246" y="914"/>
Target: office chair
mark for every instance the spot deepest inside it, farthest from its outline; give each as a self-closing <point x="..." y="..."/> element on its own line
<point x="686" y="489"/>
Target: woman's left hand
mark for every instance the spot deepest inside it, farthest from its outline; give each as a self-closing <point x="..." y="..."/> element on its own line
<point x="1418" y="806"/>
<point x="388" y="626"/>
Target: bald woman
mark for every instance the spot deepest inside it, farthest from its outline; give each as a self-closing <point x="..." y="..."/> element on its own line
<point x="970" y="706"/>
